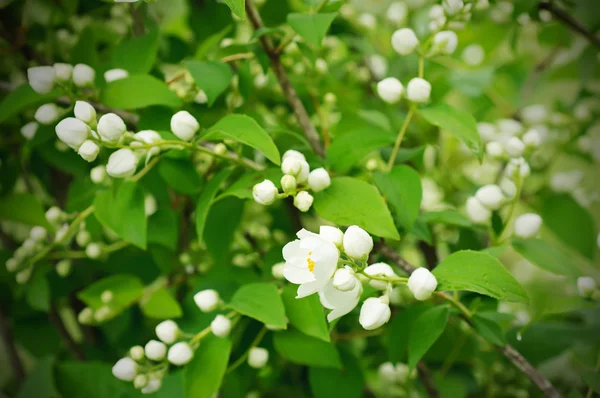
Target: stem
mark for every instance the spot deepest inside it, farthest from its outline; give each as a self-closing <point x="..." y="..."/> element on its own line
<point x="206" y="331"/>
<point x="396" y="279"/>
<point x="138" y="20"/>
<point x="427" y="380"/>
<point x="237" y="57"/>
<point x="243" y="357"/>
<point x="145" y="170"/>
<point x="400" y="138"/>
<point x="421" y="66"/>
<point x="11" y="349"/>
<point x="461" y="307"/>
<point x="511" y="210"/>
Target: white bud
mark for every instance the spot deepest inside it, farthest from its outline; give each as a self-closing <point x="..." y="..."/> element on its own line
<point x="122" y="163"/>
<point x="102" y="314"/>
<point x="12" y="264"/>
<point x="83" y="75"/>
<point x="290" y="153"/>
<point x="125" y="369"/>
<point x="184" y="125"/>
<point x="146" y="137"/>
<point x="517" y="166"/>
<point x="374" y="313"/>
<point x="344" y="279"/>
<point x="534" y="114"/>
<point x="303" y="201"/>
<point x="83" y="238"/>
<point x="586" y="286"/>
<point x="566" y="181"/>
<point x="47" y="114"/>
<point x="140" y="381"/>
<point x="532" y="138"/>
<point x="23" y="276"/>
<point x="93" y="250"/>
<point x="422" y="283"/>
<point x="54" y="214"/>
<point x="508" y="187"/>
<point x="136" y="352"/>
<point x="379" y="270"/>
<point x="72" y="132"/>
<point x="404" y="41"/>
<point x="155" y="350"/>
<point x="509" y="127"/>
<point x="115" y="74"/>
<point x="89" y="150"/>
<point x="321" y="66"/>
<point x="86" y="316"/>
<point x="258" y="357"/>
<point x="152" y="386"/>
<point x="528" y="225"/>
<point x="180" y="354"/>
<point x="111" y="127"/>
<point x="220" y="326"/>
<point x="38" y="233"/>
<point x="292" y="165"/>
<point x="85" y="112"/>
<point x="332" y="234"/>
<point x="418" y="90"/>
<point x="390" y="90"/>
<point x="452" y="7"/>
<point x="98" y="174"/>
<point x="28" y="131"/>
<point x="41" y="78"/>
<point x="265" y="192"/>
<point x="319" y="179"/>
<point x="445" y="42"/>
<point x="167" y="331"/>
<point x="220" y="149"/>
<point x="288" y="183"/>
<point x="357" y="242"/>
<point x="201" y="97"/>
<point x="207" y="300"/>
<point x="367" y="21"/>
<point x="473" y="55"/>
<point x="477" y="212"/>
<point x="515" y="147"/>
<point x="61" y="234"/>
<point x="106" y="296"/>
<point x="150" y="205"/>
<point x="397" y="12"/>
<point x="63" y="72"/>
<point x="494" y="149"/>
<point x="490" y="196"/>
<point x="277" y="271"/>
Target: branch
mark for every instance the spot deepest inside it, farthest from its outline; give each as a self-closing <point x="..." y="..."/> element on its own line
<point x="11" y="349"/>
<point x="427" y="381"/>
<point x="570" y="22"/>
<point x="138" y="20"/>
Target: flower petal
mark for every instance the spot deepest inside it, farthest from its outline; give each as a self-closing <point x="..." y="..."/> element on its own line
<point x="297" y="275"/>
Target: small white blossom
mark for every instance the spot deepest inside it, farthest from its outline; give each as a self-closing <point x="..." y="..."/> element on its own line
<point x="528" y="225"/>
<point x="288" y="183"/>
<point x="418" y="90"/>
<point x="477" y="212"/>
<point x="111" y="127"/>
<point x="155" y="350"/>
<point x="122" y="163"/>
<point x="379" y="270"/>
<point x="89" y="150"/>
<point x="357" y="242"/>
<point x="180" y="354"/>
<point x="125" y="369"/>
<point x="207" y="300"/>
<point x="137" y="352"/>
<point x="258" y="357"/>
<point x="220" y="326"/>
<point x="54" y="214"/>
<point x="41" y="78"/>
<point x="390" y="90"/>
<point x="404" y="41"/>
<point x="473" y="55"/>
<point x="98" y="174"/>
<point x="184" y="125"/>
<point x="514" y="147"/>
<point x="422" y="283"/>
<point x="93" y="250"/>
<point x="72" y="132"/>
<point x="85" y="112"/>
<point x="150" y="205"/>
<point x="494" y="149"/>
<point x="344" y="279"/>
<point x="490" y="196"/>
<point x="47" y="114"/>
<point x="265" y="192"/>
<point x="38" y="233"/>
<point x="167" y="331"/>
<point x="63" y="72"/>
<point x="83" y="75"/>
<point x="303" y="201"/>
<point x="375" y="312"/>
<point x="332" y="234"/>
<point x="28" y="131"/>
<point x="152" y="385"/>
<point x="586" y="286"/>
<point x="319" y="179"/>
<point x="115" y="74"/>
<point x="444" y="42"/>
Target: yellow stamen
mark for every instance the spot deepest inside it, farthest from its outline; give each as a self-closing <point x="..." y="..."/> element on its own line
<point x="311" y="264"/>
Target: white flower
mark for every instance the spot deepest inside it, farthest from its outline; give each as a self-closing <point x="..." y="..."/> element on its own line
<point x="357" y="242"/>
<point x="387" y="372"/>
<point x="184" y="125"/>
<point x="63" y="72"/>
<point x="390" y="90"/>
<point x="41" y="78"/>
<point x="122" y="163"/>
<point x="514" y="146"/>
<point x="28" y="131"/>
<point x="375" y="312"/>
<point x="89" y="150"/>
<point x="509" y="127"/>
<point x="220" y="326"/>
<point x="309" y="262"/>
<point x="534" y="114"/>
<point x="508" y="187"/>
<point x="85" y="112"/>
<point x="153" y="385"/>
<point x="93" y="250"/>
<point x="125" y="369"/>
<point x="494" y="149"/>
<point x="487" y="131"/>
<point x="111" y="127"/>
<point x="340" y="302"/>
<point x="422" y="283"/>
<point x="54" y="214"/>
<point x="290" y="153"/>
<point x="288" y="183"/>
<point x="140" y="381"/>
<point x="47" y="114"/>
<point x="418" y="90"/>
<point x="477" y="212"/>
<point x="319" y="179"/>
<point x="38" y="233"/>
<point x="155" y="350"/>
<point x="566" y="181"/>
<point x="397" y="12"/>
<point x="292" y="165"/>
<point x="98" y="174"/>
<point x="404" y="41"/>
<point x="115" y="74"/>
<point x="332" y="234"/>
<point x="146" y="137"/>
<point x="167" y="331"/>
<point x="137" y="352"/>
<point x="83" y="75"/>
<point x="72" y="132"/>
<point x="207" y="300"/>
<point x="265" y="192"/>
<point x="180" y="354"/>
<point x="258" y="357"/>
<point x="528" y="225"/>
<point x="303" y="201"/>
<point x="379" y="270"/>
<point x="586" y="286"/>
<point x="378" y="65"/>
<point x="473" y="55"/>
<point x="532" y="138"/>
<point x="344" y="279"/>
<point x="490" y="196"/>
<point x="445" y="42"/>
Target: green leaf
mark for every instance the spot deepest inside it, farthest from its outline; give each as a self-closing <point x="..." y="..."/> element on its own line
<point x="347" y="383"/>
<point x="24" y="208"/>
<point x="218" y="235"/>
<point x="211" y="76"/>
<point x="346" y="151"/>
<point x="478" y="272"/>
<point x="163" y="228"/>
<point x="349" y="201"/>
<point x="457" y="122"/>
<point x="448" y="217"/>
<point x="91" y="380"/>
<point x="425" y="330"/>
<point x="237" y="7"/>
<point x="126" y="290"/>
<point x="204" y="374"/>
<point x="402" y="189"/>
<point x="206" y="198"/>
<point x="312" y="27"/>
<point x="305" y="350"/>
<point x="546" y="256"/>
<point x="40" y="381"/>
<point x="399" y="331"/>
<point x="244" y="129"/>
<point x="180" y="175"/>
<point x="260" y="301"/>
<point x="136" y="54"/>
<point x="489" y="330"/>
<point x="38" y="293"/>
<point x="306" y="314"/>
<point x="23" y="98"/>
<point x="161" y="305"/>
<point x="138" y="91"/>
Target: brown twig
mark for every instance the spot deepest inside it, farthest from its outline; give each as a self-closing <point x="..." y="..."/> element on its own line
<point x="11" y="349"/>
<point x="64" y="333"/>
<point x="427" y="380"/>
<point x="138" y="19"/>
<point x="569" y="21"/>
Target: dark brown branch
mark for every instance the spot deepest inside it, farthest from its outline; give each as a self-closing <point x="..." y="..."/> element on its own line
<point x="64" y="333"/>
<point x="11" y="349"/>
<point x="138" y="19"/>
<point x="566" y="19"/>
<point x="427" y="380"/>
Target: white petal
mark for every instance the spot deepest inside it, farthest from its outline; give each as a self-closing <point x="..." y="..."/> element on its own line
<point x="340" y="302"/>
<point x="297" y="275"/>
<point x="306" y="289"/>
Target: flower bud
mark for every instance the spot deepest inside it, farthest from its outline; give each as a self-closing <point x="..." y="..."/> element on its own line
<point x="86" y="316"/>
<point x="344" y="280"/>
<point x="528" y="225"/>
<point x="83" y="75"/>
<point x="54" y="214"/>
<point x="102" y="314"/>
<point x="38" y="233"/>
<point x="167" y="331"/>
<point x="397" y="12"/>
<point x="277" y="271"/>
<point x="72" y="132"/>
<point x="517" y="167"/>
<point x="508" y="188"/>
<point x="404" y="41"/>
<point x="85" y="112"/>
<point x="83" y="238"/>
<point x="319" y="179"/>
<point x="515" y="147"/>
<point x="452" y="7"/>
<point x="418" y="90"/>
<point x="125" y="369"/>
<point x="379" y="270"/>
<point x="136" y="352"/>
<point x="390" y="90"/>
<point x="477" y="212"/>
<point x="220" y="326"/>
<point x="494" y="149"/>
<point x="93" y="250"/>
<point x="357" y="242"/>
<point x="89" y="150"/>
<point x="422" y="283"/>
<point x="375" y="312"/>
<point x="122" y="163"/>
<point x="23" y="276"/>
<point x="258" y="357"/>
<point x="473" y="55"/>
<point x="150" y="205"/>
<point x="180" y="354"/>
<point x="140" y="381"/>
<point x="207" y="300"/>
<point x="532" y="138"/>
<point x="184" y="125"/>
<point x="265" y="192"/>
<point x="288" y="183"/>
<point x="303" y="201"/>
<point x="290" y="153"/>
<point x="220" y="149"/>
<point x="106" y="296"/>
<point x="387" y="372"/>
<point x="155" y="350"/>
<point x="332" y="234"/>
<point x="115" y="74"/>
<point x="41" y="78"/>
<point x="47" y="114"/>
<point x="98" y="174"/>
<point x="28" y="131"/>
<point x="490" y="196"/>
<point x="586" y="286"/>
<point x="321" y="66"/>
<point x="534" y="114"/>
<point x="444" y="42"/>
<point x="63" y="268"/>
<point x="291" y="166"/>
<point x="152" y="386"/>
<point x="111" y="127"/>
<point x="63" y="72"/>
<point x="146" y="137"/>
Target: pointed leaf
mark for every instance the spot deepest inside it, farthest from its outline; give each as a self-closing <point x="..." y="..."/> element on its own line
<point x="425" y="330"/>
<point x="260" y="301"/>
<point x="312" y="27"/>
<point x="305" y="350"/>
<point x="138" y="91"/>
<point x="306" y="314"/>
<point x="402" y="189"/>
<point x="204" y="374"/>
<point x="211" y="76"/>
<point x="237" y="7"/>
<point x="206" y="198"/>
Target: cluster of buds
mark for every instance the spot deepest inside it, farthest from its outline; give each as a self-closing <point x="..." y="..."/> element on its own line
<point x="88" y="316"/>
<point x="296" y="181"/>
<point x="588" y="288"/>
<point x="38" y="238"/>
<point x="390" y="374"/>
<point x="453" y="14"/>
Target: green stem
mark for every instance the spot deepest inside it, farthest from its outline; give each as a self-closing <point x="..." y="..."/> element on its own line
<point x="400" y="138"/>
<point x="461" y="307"/>
<point x="242" y="358"/>
<point x="511" y="211"/>
<point x="421" y="66"/>
<point x="145" y="170"/>
<point x="206" y="331"/>
<point x="394" y="279"/>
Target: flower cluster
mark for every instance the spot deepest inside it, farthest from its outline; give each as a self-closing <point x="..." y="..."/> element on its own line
<point x="296" y="181"/>
<point x="19" y="262"/>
